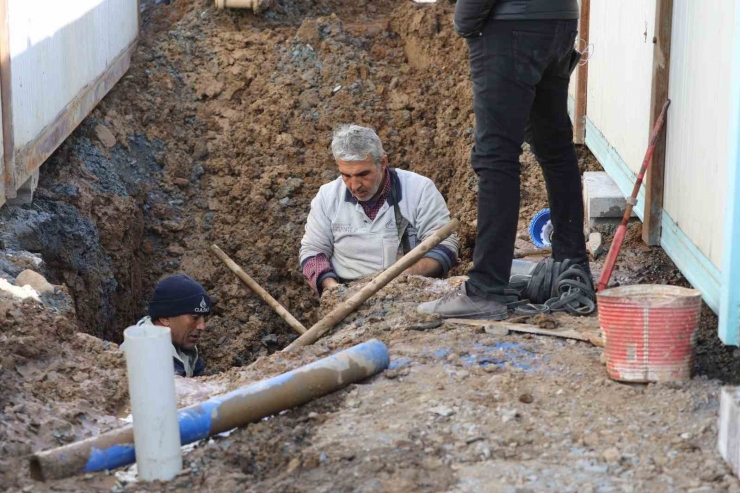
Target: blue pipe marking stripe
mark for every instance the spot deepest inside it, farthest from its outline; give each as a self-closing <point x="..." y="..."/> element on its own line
<point x="196" y="422"/>
<point x="110" y="458"/>
<point x="375" y="352"/>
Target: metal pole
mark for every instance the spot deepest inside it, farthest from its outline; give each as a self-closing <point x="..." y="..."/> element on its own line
<point x="218" y="414"/>
<point x="352" y="304"/>
<point x="259" y="290"/>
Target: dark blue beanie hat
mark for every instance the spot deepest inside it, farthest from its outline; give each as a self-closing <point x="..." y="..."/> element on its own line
<point x="179" y="295"/>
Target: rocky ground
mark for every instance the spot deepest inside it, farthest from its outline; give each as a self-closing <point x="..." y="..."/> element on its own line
<point x="219" y="133"/>
<point x="460" y="410"/>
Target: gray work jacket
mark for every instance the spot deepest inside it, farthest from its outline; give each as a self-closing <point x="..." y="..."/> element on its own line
<point x="338" y="227"/>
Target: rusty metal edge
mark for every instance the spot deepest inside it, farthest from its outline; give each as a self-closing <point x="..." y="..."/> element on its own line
<point x="7" y="191"/>
<point x="32" y="156"/>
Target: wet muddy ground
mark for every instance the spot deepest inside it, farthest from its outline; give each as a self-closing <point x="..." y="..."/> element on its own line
<point x="219" y="133"/>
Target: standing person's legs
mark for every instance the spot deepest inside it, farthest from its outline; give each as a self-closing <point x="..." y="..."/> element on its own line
<point x="502" y="105"/>
<point x="505" y="70"/>
<point x="552" y="133"/>
<point x="506" y="63"/>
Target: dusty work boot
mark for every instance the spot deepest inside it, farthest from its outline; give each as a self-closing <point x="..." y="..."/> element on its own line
<point x="459" y="304"/>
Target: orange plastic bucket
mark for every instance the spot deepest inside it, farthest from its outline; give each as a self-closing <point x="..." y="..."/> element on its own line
<point x="649" y="332"/>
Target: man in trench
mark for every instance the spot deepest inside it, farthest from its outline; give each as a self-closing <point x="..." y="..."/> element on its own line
<point x="182" y="304"/>
<point x="370" y="216"/>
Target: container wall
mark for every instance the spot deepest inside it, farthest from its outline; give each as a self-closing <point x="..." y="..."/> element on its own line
<point x="697" y="140"/>
<point x="57" y="48"/>
<point x="620" y="75"/>
<point x="64" y="58"/>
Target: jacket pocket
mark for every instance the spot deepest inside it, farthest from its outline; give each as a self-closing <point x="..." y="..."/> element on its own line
<point x="572" y="57"/>
<point x="390" y="251"/>
<point x="471" y="16"/>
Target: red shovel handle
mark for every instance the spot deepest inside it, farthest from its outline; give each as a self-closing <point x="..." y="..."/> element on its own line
<point x="616" y="245"/>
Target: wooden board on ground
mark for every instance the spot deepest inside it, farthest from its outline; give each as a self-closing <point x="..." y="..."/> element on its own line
<point x="592" y="336"/>
<point x="728" y="440"/>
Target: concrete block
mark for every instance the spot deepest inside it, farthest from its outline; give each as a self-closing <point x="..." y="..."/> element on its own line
<point x="604" y="202"/>
<point x="25" y="192"/>
<point x="728" y="441"/>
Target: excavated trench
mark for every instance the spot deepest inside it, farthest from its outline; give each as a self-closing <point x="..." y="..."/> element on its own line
<point x="219" y="133"/>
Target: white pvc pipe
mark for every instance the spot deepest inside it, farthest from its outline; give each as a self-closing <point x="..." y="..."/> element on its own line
<point x="151" y="385"/>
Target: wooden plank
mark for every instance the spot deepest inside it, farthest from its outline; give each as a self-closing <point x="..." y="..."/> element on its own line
<point x="581" y="96"/>
<point x="728" y="440"/>
<point x="6" y="103"/>
<point x="652" y="214"/>
<point x="30" y="158"/>
<point x="592" y="336"/>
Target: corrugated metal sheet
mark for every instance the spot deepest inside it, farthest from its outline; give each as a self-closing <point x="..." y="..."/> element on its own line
<point x="620" y="74"/>
<point x="59" y="47"/>
<point x="700" y="90"/>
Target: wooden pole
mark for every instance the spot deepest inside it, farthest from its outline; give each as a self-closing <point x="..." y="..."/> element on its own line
<point x="536" y="251"/>
<point x="259" y="290"/>
<point x="579" y="112"/>
<point x="352" y="304"/>
<point x="653" y="212"/>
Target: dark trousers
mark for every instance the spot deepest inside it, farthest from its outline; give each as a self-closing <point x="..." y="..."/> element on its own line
<point x="520" y="72"/>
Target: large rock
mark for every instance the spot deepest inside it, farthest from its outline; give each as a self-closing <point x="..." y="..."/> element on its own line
<point x="105" y="136"/>
<point x="605" y="203"/>
<point x="35" y="280"/>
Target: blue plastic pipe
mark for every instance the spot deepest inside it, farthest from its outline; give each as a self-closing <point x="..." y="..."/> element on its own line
<point x="218" y="414"/>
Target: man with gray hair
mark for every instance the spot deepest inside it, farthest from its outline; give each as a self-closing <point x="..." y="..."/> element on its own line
<point x="363" y="221"/>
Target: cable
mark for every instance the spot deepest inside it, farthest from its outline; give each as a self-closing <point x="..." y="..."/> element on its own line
<point x="558" y="287"/>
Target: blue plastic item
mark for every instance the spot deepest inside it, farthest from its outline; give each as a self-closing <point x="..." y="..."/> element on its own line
<point x="540" y="229"/>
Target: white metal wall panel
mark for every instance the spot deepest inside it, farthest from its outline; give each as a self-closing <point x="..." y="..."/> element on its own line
<point x="700" y="91"/>
<point x="572" y="86"/>
<point x="620" y="74"/>
<point x="59" y="47"/>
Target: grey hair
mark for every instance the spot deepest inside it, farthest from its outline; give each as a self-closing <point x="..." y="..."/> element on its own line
<point x="356" y="143"/>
